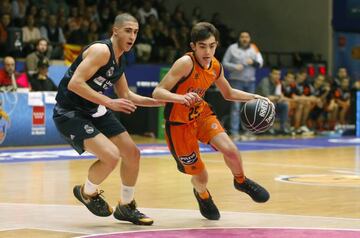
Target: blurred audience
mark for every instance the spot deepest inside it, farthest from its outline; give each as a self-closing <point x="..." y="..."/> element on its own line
<point x="33" y="58"/>
<point x="41" y="81"/>
<point x="271" y="87"/>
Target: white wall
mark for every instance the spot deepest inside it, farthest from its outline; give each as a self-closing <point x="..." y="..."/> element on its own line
<point x="277" y="25"/>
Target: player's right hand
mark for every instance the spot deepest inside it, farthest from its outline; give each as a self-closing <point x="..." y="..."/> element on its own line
<point x="121" y="105"/>
<point x="191" y="98"/>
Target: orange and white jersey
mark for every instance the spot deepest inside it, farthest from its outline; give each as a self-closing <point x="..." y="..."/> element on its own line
<point x="198" y="81"/>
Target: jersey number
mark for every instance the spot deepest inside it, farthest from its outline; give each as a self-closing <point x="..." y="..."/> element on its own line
<point x="194" y="112"/>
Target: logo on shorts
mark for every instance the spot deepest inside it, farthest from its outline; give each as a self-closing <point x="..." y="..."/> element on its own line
<point x="189" y="159"/>
<point x="89" y="129"/>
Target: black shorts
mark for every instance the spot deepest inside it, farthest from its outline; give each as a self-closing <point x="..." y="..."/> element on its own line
<point x="76" y="126"/>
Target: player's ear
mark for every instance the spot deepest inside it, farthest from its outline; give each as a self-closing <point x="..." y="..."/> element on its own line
<point x="192" y="45"/>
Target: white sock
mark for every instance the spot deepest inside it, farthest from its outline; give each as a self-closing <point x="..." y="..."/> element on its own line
<point x="127" y="194"/>
<point x="90" y="188"/>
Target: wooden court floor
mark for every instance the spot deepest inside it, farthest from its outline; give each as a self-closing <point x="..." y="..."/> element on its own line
<point x="310" y="187"/>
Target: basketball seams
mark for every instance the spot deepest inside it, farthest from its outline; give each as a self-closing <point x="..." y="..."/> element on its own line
<point x="264" y="118"/>
<point x="244" y="112"/>
<point x="248" y="111"/>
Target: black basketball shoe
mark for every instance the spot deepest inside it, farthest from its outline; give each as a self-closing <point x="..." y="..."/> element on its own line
<point x="207" y="207"/>
<point x="254" y="190"/>
<point x="128" y="212"/>
<point x="96" y="204"/>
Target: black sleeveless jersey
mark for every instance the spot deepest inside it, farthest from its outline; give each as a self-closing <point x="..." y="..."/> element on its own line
<point x="104" y="78"/>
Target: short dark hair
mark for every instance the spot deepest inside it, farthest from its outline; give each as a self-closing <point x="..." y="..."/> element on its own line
<point x="42" y="39"/>
<point x="244" y="31"/>
<point x="202" y="31"/>
<point x="123" y="17"/>
<point x="277" y="68"/>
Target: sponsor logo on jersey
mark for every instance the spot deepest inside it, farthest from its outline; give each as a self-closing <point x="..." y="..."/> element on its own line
<point x="189" y="159"/>
<point x="214" y="126"/>
<point x="110" y="72"/>
<point x="99" y="80"/>
<point x="89" y="129"/>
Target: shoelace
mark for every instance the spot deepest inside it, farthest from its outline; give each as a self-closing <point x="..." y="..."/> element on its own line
<point x="98" y="199"/>
<point x="135" y="212"/>
<point x="250" y="185"/>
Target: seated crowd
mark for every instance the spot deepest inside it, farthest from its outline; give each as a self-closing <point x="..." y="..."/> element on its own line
<point x="307" y="105"/>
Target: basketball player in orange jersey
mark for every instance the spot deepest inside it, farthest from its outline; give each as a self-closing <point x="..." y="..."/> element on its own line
<point x="189" y="118"/>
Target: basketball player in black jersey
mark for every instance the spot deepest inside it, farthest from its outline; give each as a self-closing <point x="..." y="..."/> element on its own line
<point x="82" y="117"/>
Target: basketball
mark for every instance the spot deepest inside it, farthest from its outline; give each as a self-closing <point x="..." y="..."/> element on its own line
<point x="257" y="115"/>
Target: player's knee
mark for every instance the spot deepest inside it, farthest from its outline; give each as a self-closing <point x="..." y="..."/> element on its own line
<point x="112" y="158"/>
<point x="132" y="153"/>
<point x="231" y="151"/>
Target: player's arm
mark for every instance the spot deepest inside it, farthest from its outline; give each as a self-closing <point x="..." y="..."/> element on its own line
<point x="94" y="57"/>
<point x="232" y="94"/>
<point x="123" y="91"/>
<point x="180" y="69"/>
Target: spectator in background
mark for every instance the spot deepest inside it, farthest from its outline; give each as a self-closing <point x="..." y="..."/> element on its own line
<point x="341" y="97"/>
<point x="31" y="34"/>
<point x="5" y="7"/>
<point x="241" y="59"/>
<point x="305" y="95"/>
<point x="145" y="44"/>
<point x="42" y="18"/>
<point x="7" y="75"/>
<point x="55" y="36"/>
<point x="18" y="11"/>
<point x="167" y="52"/>
<point x="78" y="35"/>
<point x="104" y="18"/>
<point x="341" y="74"/>
<point x="147" y="10"/>
<point x="270" y="87"/>
<point x="93" y="34"/>
<point x="4" y="24"/>
<point x="41" y="81"/>
<point x="178" y="18"/>
<point x="318" y="113"/>
<point x="33" y="58"/>
<point x="196" y="15"/>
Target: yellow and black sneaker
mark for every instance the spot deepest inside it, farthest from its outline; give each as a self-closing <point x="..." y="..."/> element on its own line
<point x="207" y="207"/>
<point x="129" y="212"/>
<point x="96" y="204"/>
<point x="254" y="190"/>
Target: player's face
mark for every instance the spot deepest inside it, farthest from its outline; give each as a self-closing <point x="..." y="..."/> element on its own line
<point x="126" y="34"/>
<point x="205" y="50"/>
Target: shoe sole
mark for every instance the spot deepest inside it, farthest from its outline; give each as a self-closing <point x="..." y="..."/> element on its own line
<point x="77" y="191"/>
<point x="136" y="222"/>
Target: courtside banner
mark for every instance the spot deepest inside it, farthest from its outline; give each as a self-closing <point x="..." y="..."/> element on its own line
<point x="24" y="124"/>
<point x="38" y="120"/>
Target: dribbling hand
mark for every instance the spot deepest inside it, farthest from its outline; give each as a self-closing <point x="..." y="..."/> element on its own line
<point x="191" y="98"/>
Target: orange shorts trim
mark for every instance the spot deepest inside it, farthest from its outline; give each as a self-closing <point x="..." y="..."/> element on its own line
<point x="182" y="141"/>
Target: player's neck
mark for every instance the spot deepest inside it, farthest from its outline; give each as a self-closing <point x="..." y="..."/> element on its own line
<point x="117" y="50"/>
